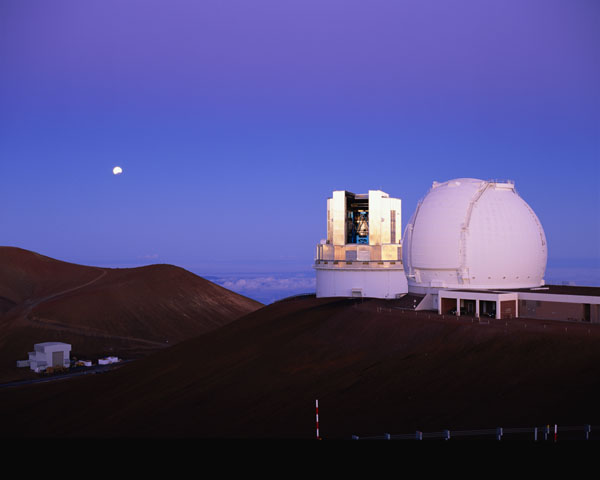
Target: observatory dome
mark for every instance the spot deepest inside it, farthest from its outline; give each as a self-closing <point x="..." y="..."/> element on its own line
<point x="475" y="234"/>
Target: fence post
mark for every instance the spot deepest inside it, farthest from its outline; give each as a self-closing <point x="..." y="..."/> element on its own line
<point x="499" y="433"/>
<point x="446" y="434"/>
<point x="535" y="434"/>
<point x="546" y="432"/>
<point x="317" y="418"/>
<point x="555" y="432"/>
<point x="419" y="435"/>
<point x="588" y="429"/>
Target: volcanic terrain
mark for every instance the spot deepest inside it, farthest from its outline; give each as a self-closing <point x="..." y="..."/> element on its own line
<point x="374" y="368"/>
<point x="127" y="312"/>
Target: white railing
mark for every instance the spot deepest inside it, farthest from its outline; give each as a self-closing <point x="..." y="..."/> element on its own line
<point x="546" y="433"/>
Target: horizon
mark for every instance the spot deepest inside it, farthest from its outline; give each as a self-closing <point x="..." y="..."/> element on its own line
<point x="267" y="285"/>
<point x="233" y="123"/>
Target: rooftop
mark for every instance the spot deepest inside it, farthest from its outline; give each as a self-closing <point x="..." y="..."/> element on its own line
<point x="472" y="290"/>
<point x="546" y="289"/>
<point x="49" y="344"/>
<point x="562" y="290"/>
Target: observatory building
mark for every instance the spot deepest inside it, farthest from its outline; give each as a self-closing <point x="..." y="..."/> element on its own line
<point x="469" y="233"/>
<point x="362" y="255"/>
<point x="47" y="354"/>
<point x="472" y="247"/>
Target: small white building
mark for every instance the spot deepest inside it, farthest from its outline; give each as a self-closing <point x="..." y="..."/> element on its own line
<point x="47" y="354"/>
<point x="108" y="360"/>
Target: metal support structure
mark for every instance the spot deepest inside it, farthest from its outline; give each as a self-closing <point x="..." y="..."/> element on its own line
<point x="464" y="232"/>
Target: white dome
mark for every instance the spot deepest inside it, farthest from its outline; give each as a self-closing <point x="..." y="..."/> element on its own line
<point x="469" y="233"/>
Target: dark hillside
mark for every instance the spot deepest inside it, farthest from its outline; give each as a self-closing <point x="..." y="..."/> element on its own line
<point x="374" y="369"/>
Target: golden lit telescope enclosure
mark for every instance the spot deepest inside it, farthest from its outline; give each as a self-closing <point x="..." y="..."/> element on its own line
<point x="362" y="254"/>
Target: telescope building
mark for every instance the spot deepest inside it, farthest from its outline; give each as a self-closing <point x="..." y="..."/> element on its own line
<point x="472" y="247"/>
<point x="362" y="254"/>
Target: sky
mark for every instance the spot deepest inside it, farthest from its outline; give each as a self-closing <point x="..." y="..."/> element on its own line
<point x="234" y="120"/>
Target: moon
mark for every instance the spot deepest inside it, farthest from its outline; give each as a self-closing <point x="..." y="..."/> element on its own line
<point x="117" y="171"/>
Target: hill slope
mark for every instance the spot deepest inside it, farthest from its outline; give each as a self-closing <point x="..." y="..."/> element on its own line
<point x="104" y="311"/>
<point x="373" y="369"/>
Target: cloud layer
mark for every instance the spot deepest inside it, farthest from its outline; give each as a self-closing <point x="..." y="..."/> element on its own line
<point x="268" y="287"/>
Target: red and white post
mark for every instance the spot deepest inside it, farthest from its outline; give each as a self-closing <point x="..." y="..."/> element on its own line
<point x="317" y="417"/>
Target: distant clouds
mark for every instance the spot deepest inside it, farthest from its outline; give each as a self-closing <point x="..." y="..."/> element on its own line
<point x="270" y="283"/>
<point x="270" y="287"/>
<point x="267" y="287"/>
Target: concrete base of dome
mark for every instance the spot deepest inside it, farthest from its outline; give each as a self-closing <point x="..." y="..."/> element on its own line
<point x="375" y="283"/>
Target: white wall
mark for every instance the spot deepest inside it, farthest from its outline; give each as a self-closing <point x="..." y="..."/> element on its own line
<point x="374" y="284"/>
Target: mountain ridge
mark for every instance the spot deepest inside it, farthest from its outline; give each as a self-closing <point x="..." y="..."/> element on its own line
<point x="141" y="309"/>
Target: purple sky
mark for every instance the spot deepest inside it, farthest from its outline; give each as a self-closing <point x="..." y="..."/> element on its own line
<point x="234" y="120"/>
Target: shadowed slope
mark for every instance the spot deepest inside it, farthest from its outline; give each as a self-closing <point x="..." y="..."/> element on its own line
<point x="374" y="370"/>
<point x="26" y="275"/>
<point x="101" y="311"/>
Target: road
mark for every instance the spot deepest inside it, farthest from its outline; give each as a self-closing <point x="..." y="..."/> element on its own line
<point x="74" y="372"/>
